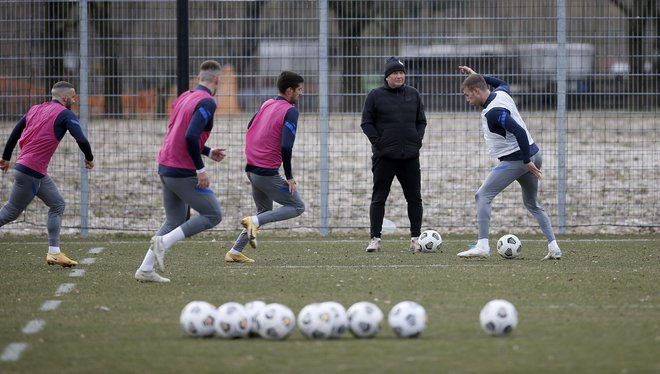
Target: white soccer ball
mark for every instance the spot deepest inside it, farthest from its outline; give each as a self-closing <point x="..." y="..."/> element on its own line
<point x="252" y="308"/>
<point x="407" y="319"/>
<point x="197" y="319"/>
<point x="509" y="246"/>
<point x="430" y="240"/>
<point x="315" y="321"/>
<point x="498" y="317"/>
<point x="232" y="321"/>
<point x="275" y="322"/>
<point x="365" y="319"/>
<point x="339" y="318"/>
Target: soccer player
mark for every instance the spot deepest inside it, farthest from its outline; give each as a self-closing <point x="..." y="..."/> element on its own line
<point x="182" y="172"/>
<point x="38" y="134"/>
<point x="394" y="121"/>
<point x="269" y="144"/>
<point x="509" y="141"/>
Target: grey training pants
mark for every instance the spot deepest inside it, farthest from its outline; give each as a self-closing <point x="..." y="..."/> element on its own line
<point x="25" y="188"/>
<point x="265" y="191"/>
<point x="178" y="194"/>
<point x="500" y="178"/>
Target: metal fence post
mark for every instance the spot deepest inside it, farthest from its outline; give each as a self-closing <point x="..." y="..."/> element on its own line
<point x="562" y="66"/>
<point x="323" y="115"/>
<point x="84" y="115"/>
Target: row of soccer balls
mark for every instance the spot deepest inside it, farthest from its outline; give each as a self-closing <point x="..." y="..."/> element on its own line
<point x="326" y="320"/>
<point x="508" y="246"/>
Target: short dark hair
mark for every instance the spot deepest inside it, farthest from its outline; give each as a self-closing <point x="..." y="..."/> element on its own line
<point x="208" y="70"/>
<point x="62" y="84"/>
<point x="61" y="88"/>
<point x="474" y="81"/>
<point x="288" y="79"/>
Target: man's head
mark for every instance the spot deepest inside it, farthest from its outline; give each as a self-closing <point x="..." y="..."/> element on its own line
<point x="475" y="90"/>
<point x="209" y="74"/>
<point x="64" y="93"/>
<point x="289" y="84"/>
<point x="395" y="72"/>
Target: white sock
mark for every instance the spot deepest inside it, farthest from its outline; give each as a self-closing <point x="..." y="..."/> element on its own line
<point x="234" y="252"/>
<point x="172" y="237"/>
<point x="54" y="250"/>
<point x="149" y="261"/>
<point x="553" y="246"/>
<point x="483" y="244"/>
<point x="255" y="220"/>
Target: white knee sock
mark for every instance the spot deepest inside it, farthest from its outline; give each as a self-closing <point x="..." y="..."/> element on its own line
<point x="53" y="250"/>
<point x="172" y="237"/>
<point x="483" y="244"/>
<point x="149" y="261"/>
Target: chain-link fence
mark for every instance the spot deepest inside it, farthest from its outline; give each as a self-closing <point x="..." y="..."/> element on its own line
<point x="585" y="74"/>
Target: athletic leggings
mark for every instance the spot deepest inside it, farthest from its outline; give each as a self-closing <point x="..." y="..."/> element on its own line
<point x="500" y="178"/>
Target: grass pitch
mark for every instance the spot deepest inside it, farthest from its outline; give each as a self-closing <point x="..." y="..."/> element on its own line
<point x="595" y="311"/>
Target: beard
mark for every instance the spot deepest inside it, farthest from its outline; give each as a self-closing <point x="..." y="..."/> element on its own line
<point x="68" y="103"/>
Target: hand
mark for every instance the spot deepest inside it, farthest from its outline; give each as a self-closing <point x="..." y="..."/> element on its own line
<point x="4" y="165"/>
<point x="292" y="186"/>
<point x="218" y="154"/>
<point x="534" y="170"/>
<point x="89" y="164"/>
<point x="466" y="70"/>
<point x="203" y="180"/>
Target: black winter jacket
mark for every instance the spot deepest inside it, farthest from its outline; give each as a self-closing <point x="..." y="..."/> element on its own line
<point x="394" y="121"/>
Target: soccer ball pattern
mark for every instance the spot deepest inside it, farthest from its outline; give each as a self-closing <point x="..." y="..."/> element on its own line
<point x="509" y="246"/>
<point x="365" y="319"/>
<point x="197" y="319"/>
<point x="498" y="317"/>
<point x="232" y="321"/>
<point x="430" y="240"/>
<point x="339" y="318"/>
<point x="252" y="308"/>
<point x="407" y="319"/>
<point x="275" y="321"/>
<point x="315" y="321"/>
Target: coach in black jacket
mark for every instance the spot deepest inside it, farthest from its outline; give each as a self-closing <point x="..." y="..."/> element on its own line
<point x="394" y="121"/>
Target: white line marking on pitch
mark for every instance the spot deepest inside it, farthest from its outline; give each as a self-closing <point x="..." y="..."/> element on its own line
<point x="65" y="288"/>
<point x="13" y="351"/>
<point x="87" y="261"/>
<point x="50" y="305"/>
<point x="34" y="326"/>
<point x="96" y="250"/>
<point x="368" y="266"/>
<point x="77" y="273"/>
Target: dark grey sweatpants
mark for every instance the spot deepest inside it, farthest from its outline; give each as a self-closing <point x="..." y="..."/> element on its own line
<point x="178" y="194"/>
<point x="25" y="188"/>
<point x="265" y="191"/>
<point x="500" y="178"/>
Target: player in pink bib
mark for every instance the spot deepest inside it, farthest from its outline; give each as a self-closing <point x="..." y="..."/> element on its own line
<point x="182" y="173"/>
<point x="269" y="145"/>
<point x="38" y="134"/>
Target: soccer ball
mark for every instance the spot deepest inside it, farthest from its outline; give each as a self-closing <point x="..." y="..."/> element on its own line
<point x="275" y="321"/>
<point x="315" y="321"/>
<point x="232" y="321"/>
<point x="365" y="319"/>
<point x="498" y="318"/>
<point x="430" y="240"/>
<point x="509" y="246"/>
<point x="339" y="318"/>
<point x="407" y="319"/>
<point x="252" y="308"/>
<point x="197" y="319"/>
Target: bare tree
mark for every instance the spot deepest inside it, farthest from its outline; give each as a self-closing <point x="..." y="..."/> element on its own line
<point x="100" y="15"/>
<point x="55" y="32"/>
<point x="639" y="13"/>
